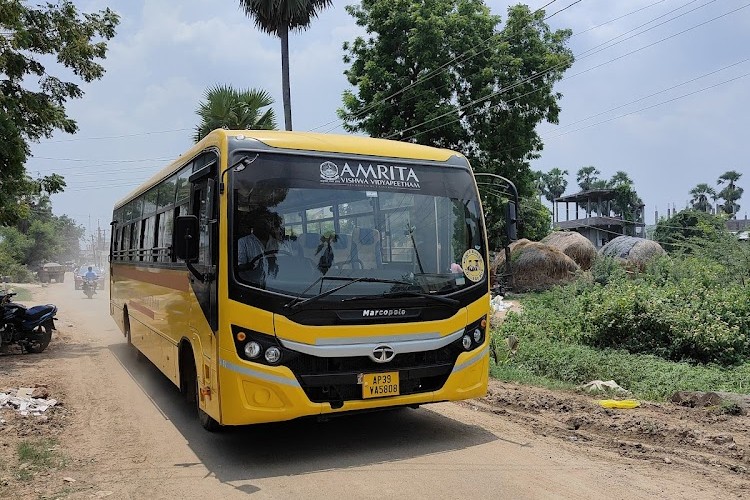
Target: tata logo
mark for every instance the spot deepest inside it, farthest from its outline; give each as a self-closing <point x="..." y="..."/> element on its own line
<point x="383" y="312"/>
<point x="383" y="354"/>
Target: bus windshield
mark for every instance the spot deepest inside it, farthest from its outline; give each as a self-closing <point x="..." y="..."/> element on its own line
<point x="303" y="225"/>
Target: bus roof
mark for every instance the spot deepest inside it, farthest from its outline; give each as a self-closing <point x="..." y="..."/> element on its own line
<point x="302" y="141"/>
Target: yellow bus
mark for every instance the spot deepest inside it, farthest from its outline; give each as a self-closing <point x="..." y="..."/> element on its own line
<point x="273" y="275"/>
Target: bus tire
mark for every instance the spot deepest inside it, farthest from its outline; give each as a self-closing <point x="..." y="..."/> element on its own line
<point x="205" y="419"/>
<point x="191" y="389"/>
<point x="126" y="322"/>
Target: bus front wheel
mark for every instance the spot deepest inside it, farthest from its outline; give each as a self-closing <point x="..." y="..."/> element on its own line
<point x="136" y="351"/>
<point x="205" y="419"/>
<point x="191" y="389"/>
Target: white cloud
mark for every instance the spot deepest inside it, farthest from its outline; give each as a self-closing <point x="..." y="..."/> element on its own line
<point x="166" y="53"/>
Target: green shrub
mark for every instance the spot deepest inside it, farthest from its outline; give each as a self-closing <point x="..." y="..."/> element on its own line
<point x="16" y="272"/>
<point x="606" y="270"/>
<point x="685" y="309"/>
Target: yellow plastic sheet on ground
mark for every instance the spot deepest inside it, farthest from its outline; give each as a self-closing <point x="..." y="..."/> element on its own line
<point x="623" y="404"/>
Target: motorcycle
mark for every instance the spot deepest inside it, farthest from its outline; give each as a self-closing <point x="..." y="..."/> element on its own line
<point x="31" y="328"/>
<point x="89" y="287"/>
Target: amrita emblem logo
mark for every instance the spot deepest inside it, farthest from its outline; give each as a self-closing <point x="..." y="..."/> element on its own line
<point x="329" y="171"/>
<point x="473" y="265"/>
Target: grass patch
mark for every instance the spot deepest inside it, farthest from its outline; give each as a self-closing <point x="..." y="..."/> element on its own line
<point x="510" y="373"/>
<point x="548" y="362"/>
<point x="22" y="294"/>
<point x="36" y="455"/>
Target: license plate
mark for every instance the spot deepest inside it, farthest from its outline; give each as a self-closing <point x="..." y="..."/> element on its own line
<point x="378" y="385"/>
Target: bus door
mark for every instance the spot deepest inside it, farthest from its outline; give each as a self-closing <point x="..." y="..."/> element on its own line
<point x="202" y="205"/>
<point x="204" y="319"/>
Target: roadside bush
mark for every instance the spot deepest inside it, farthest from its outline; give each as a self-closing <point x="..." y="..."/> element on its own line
<point x="685" y="309"/>
<point x="16" y="272"/>
<point x="606" y="270"/>
<point x="679" y="321"/>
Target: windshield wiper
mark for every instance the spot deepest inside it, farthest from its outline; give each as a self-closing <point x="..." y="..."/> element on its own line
<point x="296" y="303"/>
<point x="411" y="230"/>
<point x="407" y="293"/>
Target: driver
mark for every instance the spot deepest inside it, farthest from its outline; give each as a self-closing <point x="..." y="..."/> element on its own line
<point x="257" y="251"/>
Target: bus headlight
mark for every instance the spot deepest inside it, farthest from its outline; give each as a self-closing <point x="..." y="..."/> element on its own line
<point x="273" y="355"/>
<point x="466" y="342"/>
<point x="477" y="335"/>
<point x="252" y="349"/>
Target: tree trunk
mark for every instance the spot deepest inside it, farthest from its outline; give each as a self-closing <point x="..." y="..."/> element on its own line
<point x="284" y="36"/>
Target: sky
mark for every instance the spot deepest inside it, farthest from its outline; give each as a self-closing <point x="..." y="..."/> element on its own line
<point x="659" y="90"/>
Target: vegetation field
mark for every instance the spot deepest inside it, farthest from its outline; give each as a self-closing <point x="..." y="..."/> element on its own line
<point x="683" y="323"/>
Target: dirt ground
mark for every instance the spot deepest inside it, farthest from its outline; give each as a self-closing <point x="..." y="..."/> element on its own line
<point x="122" y="431"/>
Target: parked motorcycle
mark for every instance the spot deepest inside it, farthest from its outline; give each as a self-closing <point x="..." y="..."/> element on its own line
<point x="89" y="287"/>
<point x="31" y="328"/>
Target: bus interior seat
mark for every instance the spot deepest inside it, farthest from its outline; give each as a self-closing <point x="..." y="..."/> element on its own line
<point x="309" y="243"/>
<point x="342" y="250"/>
<point x="366" y="253"/>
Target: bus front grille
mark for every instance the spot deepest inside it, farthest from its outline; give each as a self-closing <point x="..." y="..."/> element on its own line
<point x="335" y="380"/>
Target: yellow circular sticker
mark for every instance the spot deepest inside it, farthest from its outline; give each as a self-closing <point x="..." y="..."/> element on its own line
<point x="473" y="265"/>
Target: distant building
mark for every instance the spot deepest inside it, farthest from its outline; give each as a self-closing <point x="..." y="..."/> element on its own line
<point x="737" y="225"/>
<point x="599" y="223"/>
<point x="740" y="228"/>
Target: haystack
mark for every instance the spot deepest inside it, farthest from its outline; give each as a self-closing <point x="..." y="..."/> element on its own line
<point x="537" y="266"/>
<point x="574" y="245"/>
<point x="633" y="252"/>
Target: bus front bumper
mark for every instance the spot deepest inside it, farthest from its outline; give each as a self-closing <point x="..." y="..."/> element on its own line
<point x="253" y="393"/>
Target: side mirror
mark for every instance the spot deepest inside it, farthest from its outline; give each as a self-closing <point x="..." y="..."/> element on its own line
<point x="185" y="237"/>
<point x="511" y="221"/>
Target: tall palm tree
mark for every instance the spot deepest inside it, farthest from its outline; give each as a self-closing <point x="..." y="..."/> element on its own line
<point x="620" y="178"/>
<point x="277" y="17"/>
<point x="730" y="193"/>
<point x="554" y="185"/>
<point x="226" y="107"/>
<point x="586" y="177"/>
<point x="700" y="194"/>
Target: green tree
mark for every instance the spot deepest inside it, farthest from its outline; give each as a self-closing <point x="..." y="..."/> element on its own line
<point x="32" y="98"/>
<point x="554" y="185"/>
<point x="456" y="81"/>
<point x="730" y="193"/>
<point x="626" y="203"/>
<point x="38" y="238"/>
<point x="225" y="107"/>
<point x="588" y="177"/>
<point x="620" y="178"/>
<point x="536" y="219"/>
<point x="690" y="231"/>
<point x="277" y="17"/>
<point x="700" y="194"/>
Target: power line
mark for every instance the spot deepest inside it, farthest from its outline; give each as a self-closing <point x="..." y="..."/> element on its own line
<point x="141" y="160"/>
<point x="652" y="106"/>
<point x="430" y="74"/>
<point x="123" y="136"/>
<point x="583" y="55"/>
<point x="566" y="78"/>
<point x="90" y="172"/>
<point x="658" y="92"/>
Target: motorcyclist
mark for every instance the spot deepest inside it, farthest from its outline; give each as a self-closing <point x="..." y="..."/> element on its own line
<point x="91" y="277"/>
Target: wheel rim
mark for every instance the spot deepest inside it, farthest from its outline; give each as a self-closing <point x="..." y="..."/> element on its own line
<point x="40" y="345"/>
